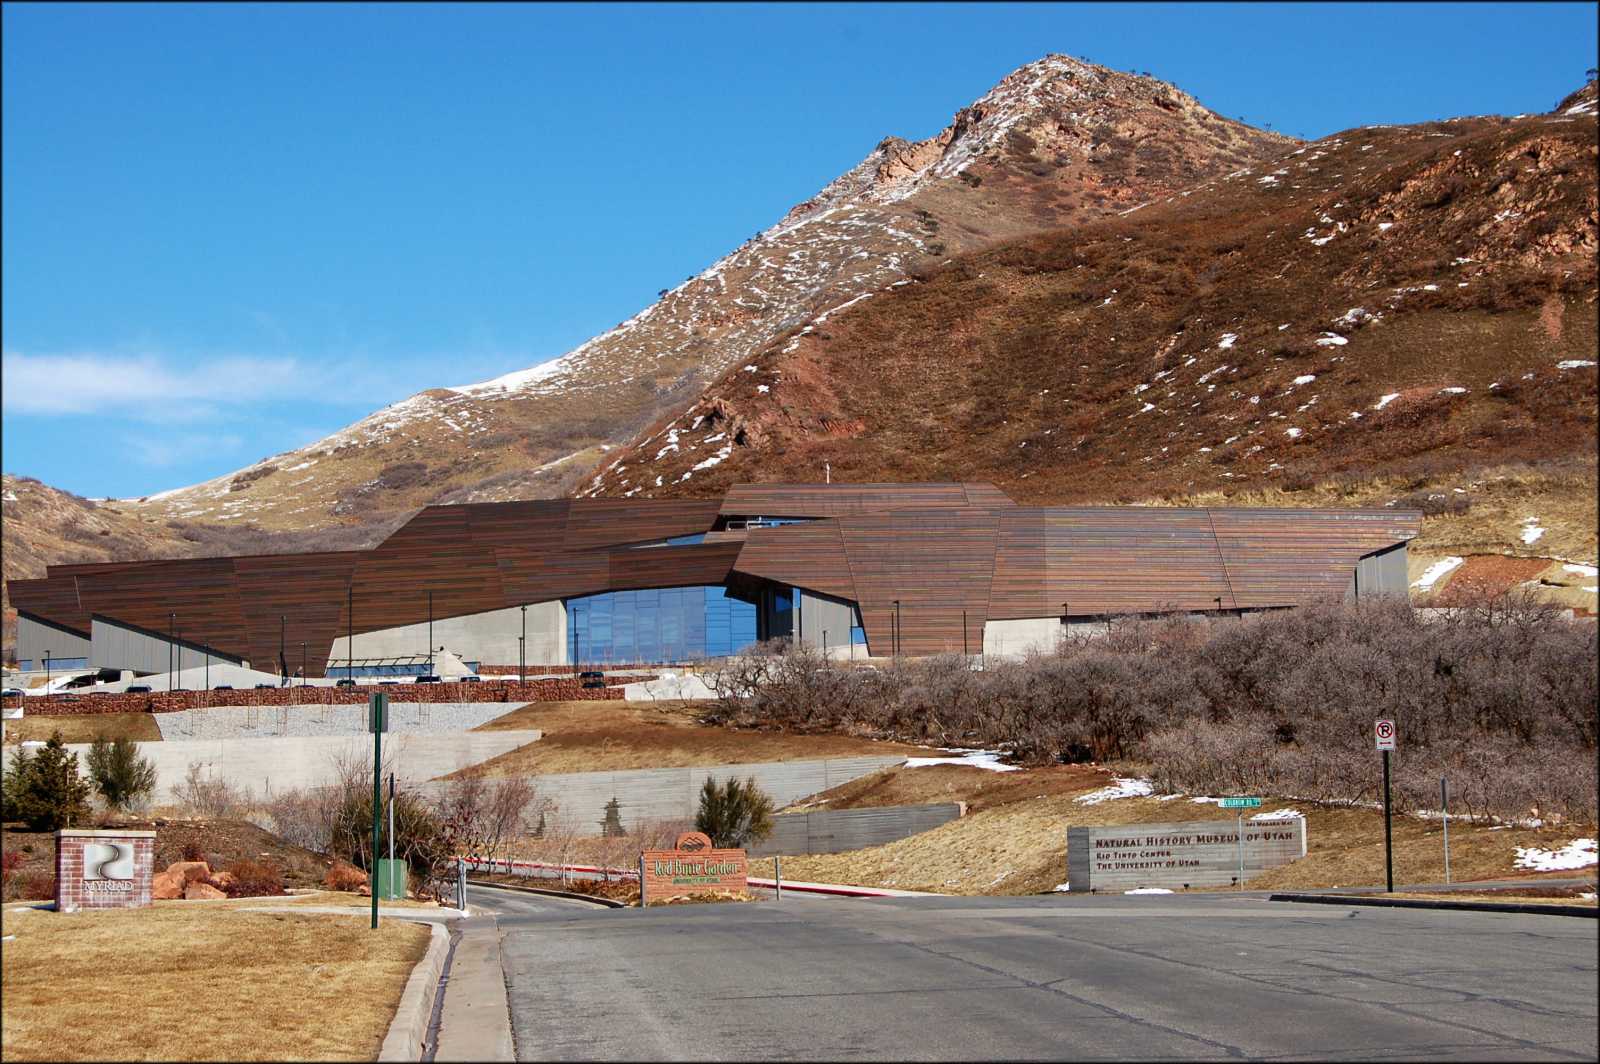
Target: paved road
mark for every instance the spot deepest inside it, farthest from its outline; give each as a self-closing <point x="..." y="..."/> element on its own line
<point x="1044" y="978"/>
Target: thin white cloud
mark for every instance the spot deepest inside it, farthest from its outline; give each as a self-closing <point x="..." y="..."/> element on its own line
<point x="175" y="448"/>
<point x="146" y="387"/>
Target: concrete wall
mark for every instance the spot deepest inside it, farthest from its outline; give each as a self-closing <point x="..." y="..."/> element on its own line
<point x="839" y="830"/>
<point x="674" y="793"/>
<point x="34" y="638"/>
<point x="271" y="722"/>
<point x="1016" y="638"/>
<point x="114" y="646"/>
<point x="1383" y="573"/>
<point x="269" y="766"/>
<point x="483" y="637"/>
<point x="824" y="613"/>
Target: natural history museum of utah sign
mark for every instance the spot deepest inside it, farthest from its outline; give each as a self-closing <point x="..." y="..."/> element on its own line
<point x="1193" y="853"/>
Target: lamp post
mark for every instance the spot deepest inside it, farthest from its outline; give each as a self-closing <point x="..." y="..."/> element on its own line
<point x="302" y="663"/>
<point x="172" y="623"/>
<point x="522" y="645"/>
<point x="46" y="672"/>
<point x="430" y="632"/>
<point x="283" y="659"/>
<point x="350" y="634"/>
<point x="897" y="628"/>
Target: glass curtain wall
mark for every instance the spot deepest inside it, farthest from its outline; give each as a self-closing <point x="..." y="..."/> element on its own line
<point x="666" y="624"/>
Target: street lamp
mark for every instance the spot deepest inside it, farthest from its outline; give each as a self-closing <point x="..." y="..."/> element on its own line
<point x="897" y="628"/>
<point x="283" y="659"/>
<point x="302" y="664"/>
<point x="172" y="624"/>
<point x="430" y="631"/>
<point x="522" y="645"/>
<point x="46" y="672"/>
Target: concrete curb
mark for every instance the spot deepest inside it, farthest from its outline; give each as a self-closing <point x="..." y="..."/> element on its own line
<point x="550" y="893"/>
<point x="408" y="1031"/>
<point x="1430" y="903"/>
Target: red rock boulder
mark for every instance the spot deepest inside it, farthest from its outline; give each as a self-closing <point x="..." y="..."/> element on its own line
<point x="191" y="871"/>
<point x="165" y="886"/>
<point x="202" y="892"/>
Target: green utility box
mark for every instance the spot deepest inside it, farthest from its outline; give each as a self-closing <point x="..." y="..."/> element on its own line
<point x="391" y="884"/>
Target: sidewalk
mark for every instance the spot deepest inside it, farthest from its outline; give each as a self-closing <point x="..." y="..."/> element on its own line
<point x="475" y="1021"/>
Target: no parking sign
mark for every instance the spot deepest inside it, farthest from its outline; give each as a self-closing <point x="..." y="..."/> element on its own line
<point x="1383" y="732"/>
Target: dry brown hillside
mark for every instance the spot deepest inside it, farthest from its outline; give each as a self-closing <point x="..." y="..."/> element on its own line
<point x="1384" y="311"/>
<point x="1058" y="142"/>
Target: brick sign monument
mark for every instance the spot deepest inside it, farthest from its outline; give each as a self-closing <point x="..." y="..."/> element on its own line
<point x="692" y="866"/>
<point x="1194" y="853"/>
<point x="103" y="869"/>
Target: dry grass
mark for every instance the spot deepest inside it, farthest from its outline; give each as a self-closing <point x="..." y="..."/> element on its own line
<point x="85" y="727"/>
<point x="1500" y="897"/>
<point x="202" y="983"/>
<point x="1019" y="847"/>
<point x="601" y="736"/>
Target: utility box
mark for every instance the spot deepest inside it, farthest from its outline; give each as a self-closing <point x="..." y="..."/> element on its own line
<point x="391" y="880"/>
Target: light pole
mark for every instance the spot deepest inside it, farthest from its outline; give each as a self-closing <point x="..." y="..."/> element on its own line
<point x="283" y="658"/>
<point x="430" y="631"/>
<point x="46" y="672"/>
<point x="522" y="647"/>
<point x="897" y="628"/>
<point x="350" y="635"/>
<point x="302" y="664"/>
<point x="172" y="624"/>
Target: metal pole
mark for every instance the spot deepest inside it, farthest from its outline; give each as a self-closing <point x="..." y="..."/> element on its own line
<point x="1444" y="809"/>
<point x="172" y="623"/>
<point x="391" y="836"/>
<point x="208" y="667"/>
<point x="461" y="884"/>
<point x="302" y="664"/>
<point x="641" y="881"/>
<point x="1388" y="828"/>
<point x="964" y="651"/>
<point x="46" y="672"/>
<point x="522" y="649"/>
<point x="1241" y="851"/>
<point x="430" y="631"/>
<point x="179" y="648"/>
<point x="283" y="652"/>
<point x="777" y="875"/>
<point x="377" y="804"/>
<point x="350" y="672"/>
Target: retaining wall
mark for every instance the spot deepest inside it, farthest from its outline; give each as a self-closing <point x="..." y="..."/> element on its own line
<point x="268" y="722"/>
<point x="674" y="793"/>
<point x="840" y="830"/>
<point x="565" y="690"/>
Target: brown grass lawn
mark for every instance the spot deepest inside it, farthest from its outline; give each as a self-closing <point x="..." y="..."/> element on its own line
<point x="599" y="736"/>
<point x="1567" y="896"/>
<point x="85" y="727"/>
<point x="1018" y="846"/>
<point x="201" y="983"/>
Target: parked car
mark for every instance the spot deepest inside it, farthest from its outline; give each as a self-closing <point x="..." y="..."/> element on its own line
<point x="137" y="689"/>
<point x="265" y="686"/>
<point x="388" y="683"/>
<point x="11" y="692"/>
<point x="469" y="679"/>
<point x="428" y="679"/>
<point x="591" y="675"/>
<point x="594" y="683"/>
<point x="223" y="687"/>
<point x="346" y="682"/>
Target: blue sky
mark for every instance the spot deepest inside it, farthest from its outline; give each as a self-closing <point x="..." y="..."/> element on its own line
<point x="229" y="230"/>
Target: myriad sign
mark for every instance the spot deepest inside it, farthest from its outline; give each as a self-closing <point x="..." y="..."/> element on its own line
<point x="693" y="866"/>
<point x="1194" y="853"/>
<point x="103" y="869"/>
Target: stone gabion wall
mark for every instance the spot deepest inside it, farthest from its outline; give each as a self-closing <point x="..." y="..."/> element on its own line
<point x="563" y="690"/>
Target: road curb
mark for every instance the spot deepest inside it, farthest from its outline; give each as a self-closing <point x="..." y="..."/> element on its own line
<point x="1430" y="903"/>
<point x="408" y="1031"/>
<point x="550" y="893"/>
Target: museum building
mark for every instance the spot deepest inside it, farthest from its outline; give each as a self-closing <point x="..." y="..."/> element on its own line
<point x="853" y="569"/>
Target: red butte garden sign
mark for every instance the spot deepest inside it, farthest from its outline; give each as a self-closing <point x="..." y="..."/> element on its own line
<point x="692" y="866"/>
<point x="103" y="869"/>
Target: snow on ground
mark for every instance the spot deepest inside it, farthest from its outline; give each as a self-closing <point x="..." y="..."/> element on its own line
<point x="1573" y="363"/>
<point x="1579" y="853"/>
<point x="1385" y="400"/>
<point x="1531" y="530"/>
<point x="1279" y="814"/>
<point x="1062" y="888"/>
<point x="1581" y="570"/>
<point x="1121" y="787"/>
<point x="1330" y="340"/>
<point x="1148" y="890"/>
<point x="1434" y="572"/>
<point x="989" y="759"/>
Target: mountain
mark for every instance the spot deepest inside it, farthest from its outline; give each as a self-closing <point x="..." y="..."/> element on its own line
<point x="1057" y="143"/>
<point x="1383" y="311"/>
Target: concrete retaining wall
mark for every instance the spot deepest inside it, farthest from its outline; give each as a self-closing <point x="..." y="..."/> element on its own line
<point x="268" y="766"/>
<point x="840" y="830"/>
<point x="275" y="722"/>
<point x="674" y="793"/>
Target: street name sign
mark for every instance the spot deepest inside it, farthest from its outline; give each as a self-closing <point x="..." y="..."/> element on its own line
<point x="1241" y="803"/>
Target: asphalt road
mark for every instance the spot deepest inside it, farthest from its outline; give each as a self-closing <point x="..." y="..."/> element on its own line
<point x="1112" y="978"/>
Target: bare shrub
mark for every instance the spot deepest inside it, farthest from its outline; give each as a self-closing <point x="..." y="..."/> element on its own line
<point x="212" y="797"/>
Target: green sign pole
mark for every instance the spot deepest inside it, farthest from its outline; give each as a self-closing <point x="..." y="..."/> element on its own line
<point x="378" y="706"/>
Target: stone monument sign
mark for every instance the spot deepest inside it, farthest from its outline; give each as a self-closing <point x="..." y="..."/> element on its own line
<point x="1193" y="853"/>
<point x="692" y="866"/>
<point x="103" y="869"/>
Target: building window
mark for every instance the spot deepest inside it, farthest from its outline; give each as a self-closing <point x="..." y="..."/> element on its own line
<point x="658" y="625"/>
